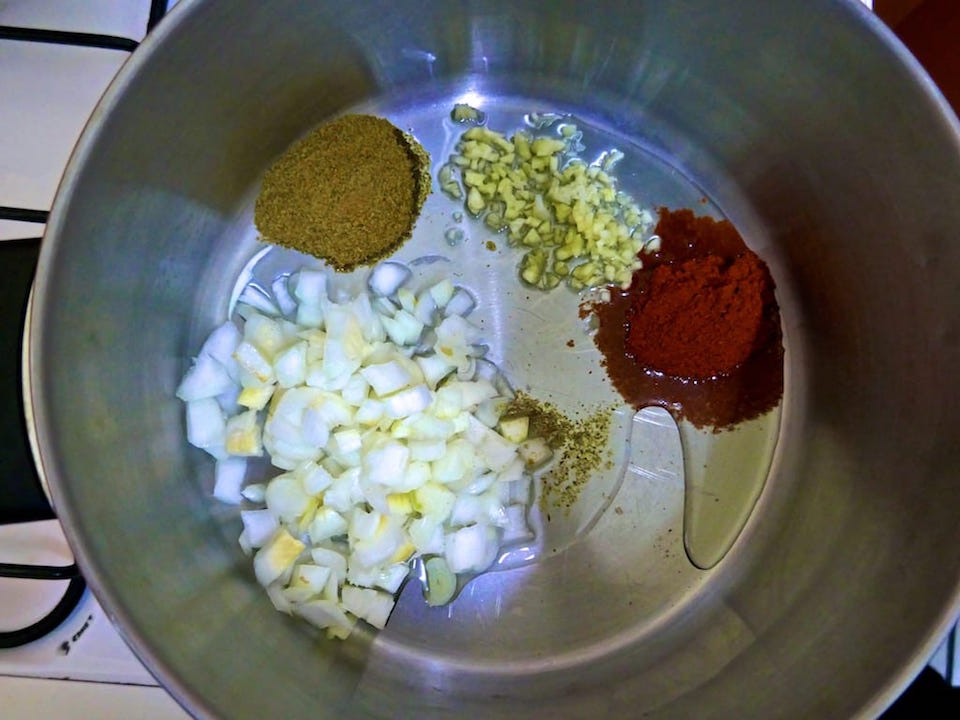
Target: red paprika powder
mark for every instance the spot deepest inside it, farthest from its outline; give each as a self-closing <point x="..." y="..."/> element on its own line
<point x="698" y="331"/>
<point x="699" y="318"/>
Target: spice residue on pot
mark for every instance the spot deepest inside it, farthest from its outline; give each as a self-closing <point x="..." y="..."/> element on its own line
<point x="349" y="192"/>
<point x="580" y="447"/>
<point x="698" y="331"/>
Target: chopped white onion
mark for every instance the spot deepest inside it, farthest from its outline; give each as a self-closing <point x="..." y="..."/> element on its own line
<point x="206" y="425"/>
<point x="461" y="303"/>
<point x="281" y="294"/>
<point x="228" y="479"/>
<point x="386" y="455"/>
<point x="386" y="378"/>
<point x="222" y="342"/>
<point x="207" y="378"/>
<point x="471" y="549"/>
<point x="387" y="277"/>
<point x="259" y="525"/>
<point x="311" y="288"/>
<point x="255" y="297"/>
<point x="407" y="402"/>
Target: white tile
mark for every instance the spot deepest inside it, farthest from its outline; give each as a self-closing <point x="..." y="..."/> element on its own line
<point x="85" y="646"/>
<point x="124" y="18"/>
<point x="29" y="699"/>
<point x="49" y="93"/>
<point x="19" y="230"/>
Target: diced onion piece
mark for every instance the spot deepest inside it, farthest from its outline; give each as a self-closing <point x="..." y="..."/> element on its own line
<point x="387" y="277"/>
<point x="331" y="559"/>
<point x="455" y="463"/>
<point x="474" y="392"/>
<point x="407" y="300"/>
<point x="256" y="398"/>
<point x="253" y="362"/>
<point x="407" y="402"/>
<point x="310" y="315"/>
<point x="403" y="328"/>
<point x="491" y="410"/>
<point x="471" y="549"/>
<point x="290" y="366"/>
<point x="515" y="429"/>
<point x="369" y="412"/>
<point x="259" y="526"/>
<point x="278" y="555"/>
<point x="355" y="391"/>
<point x="467" y="510"/>
<point x="313" y="577"/>
<point x="516" y="528"/>
<point x="434" y="368"/>
<point x="243" y="435"/>
<point x="324" y="614"/>
<point x="442" y="292"/>
<point x="314" y="478"/>
<point x="222" y="342"/>
<point x="462" y="303"/>
<point x="206" y="426"/>
<point x="255" y="492"/>
<point x="426" y="534"/>
<point x="425" y="309"/>
<point x="281" y="294"/>
<point x="311" y="288"/>
<point x="392" y="577"/>
<point x="535" y="453"/>
<point x="255" y="297"/>
<point x="427" y="450"/>
<point x="286" y="497"/>
<point x="386" y="378"/>
<point x="371" y="605"/>
<point x="207" y="378"/>
<point x="348" y="441"/>
<point x="386" y="464"/>
<point x="416" y="475"/>
<point x="326" y="523"/>
<point x="496" y="452"/>
<point x="434" y="501"/>
<point x="512" y="472"/>
<point x="482" y="483"/>
<point x="228" y="479"/>
<point x="364" y="524"/>
<point x="279" y="599"/>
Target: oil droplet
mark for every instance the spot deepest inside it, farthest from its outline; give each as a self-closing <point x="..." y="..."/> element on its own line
<point x="454" y="236"/>
<point x="724" y="473"/>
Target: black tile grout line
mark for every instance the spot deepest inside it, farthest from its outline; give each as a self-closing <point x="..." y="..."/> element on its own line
<point x="158" y="8"/>
<point x="64" y="37"/>
<point x="24" y="215"/>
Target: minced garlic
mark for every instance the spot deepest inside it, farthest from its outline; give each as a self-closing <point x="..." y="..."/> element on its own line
<point x="573" y="223"/>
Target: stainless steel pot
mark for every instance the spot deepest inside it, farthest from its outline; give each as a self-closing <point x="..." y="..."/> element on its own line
<point x="807" y="123"/>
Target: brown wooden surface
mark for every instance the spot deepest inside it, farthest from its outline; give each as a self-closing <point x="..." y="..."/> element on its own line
<point x="931" y="29"/>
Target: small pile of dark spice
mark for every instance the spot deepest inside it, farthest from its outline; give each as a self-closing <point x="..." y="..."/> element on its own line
<point x="580" y="447"/>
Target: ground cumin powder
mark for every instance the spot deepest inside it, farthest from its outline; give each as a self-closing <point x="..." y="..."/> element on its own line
<point x="348" y="193"/>
<point x="580" y="446"/>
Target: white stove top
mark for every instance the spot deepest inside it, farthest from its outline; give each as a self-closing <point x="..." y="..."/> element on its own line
<point x="83" y="669"/>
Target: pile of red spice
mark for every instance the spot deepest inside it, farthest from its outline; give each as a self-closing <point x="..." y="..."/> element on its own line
<point x="698" y="331"/>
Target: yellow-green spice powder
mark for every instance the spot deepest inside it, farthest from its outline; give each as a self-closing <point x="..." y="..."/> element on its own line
<point x="348" y="193"/>
<point x="581" y="447"/>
